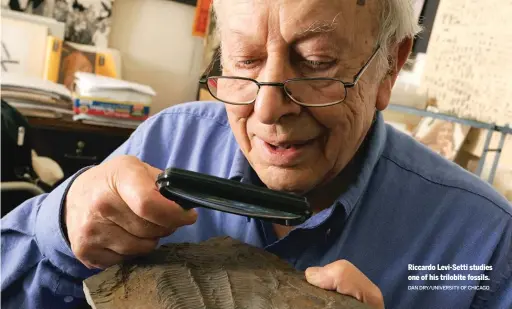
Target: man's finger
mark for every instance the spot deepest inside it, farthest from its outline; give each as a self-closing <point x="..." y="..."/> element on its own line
<point x="343" y="277"/>
<point x="126" y="244"/>
<point x="123" y="216"/>
<point x="138" y="190"/>
<point x="153" y="207"/>
<point x="101" y="259"/>
<point x="320" y="278"/>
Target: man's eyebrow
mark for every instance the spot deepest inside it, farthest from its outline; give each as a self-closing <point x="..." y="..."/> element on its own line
<point x="326" y="26"/>
<point x="304" y="35"/>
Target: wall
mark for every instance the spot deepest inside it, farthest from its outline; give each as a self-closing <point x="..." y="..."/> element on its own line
<point x="468" y="67"/>
<point x="158" y="49"/>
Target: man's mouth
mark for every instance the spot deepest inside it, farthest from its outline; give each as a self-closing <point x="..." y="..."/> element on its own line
<point x="288" y="145"/>
<point x="284" y="152"/>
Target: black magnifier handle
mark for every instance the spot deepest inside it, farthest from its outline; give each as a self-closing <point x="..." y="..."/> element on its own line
<point x="192" y="190"/>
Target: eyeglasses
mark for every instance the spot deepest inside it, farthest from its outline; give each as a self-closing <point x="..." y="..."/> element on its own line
<point x="306" y="91"/>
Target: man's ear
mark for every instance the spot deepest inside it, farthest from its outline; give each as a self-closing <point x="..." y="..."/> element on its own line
<point x="397" y="58"/>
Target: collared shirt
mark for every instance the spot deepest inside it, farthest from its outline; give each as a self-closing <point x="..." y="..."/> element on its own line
<point x="411" y="221"/>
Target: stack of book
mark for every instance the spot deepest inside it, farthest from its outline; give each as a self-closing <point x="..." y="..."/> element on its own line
<point x="36" y="97"/>
<point x="109" y="101"/>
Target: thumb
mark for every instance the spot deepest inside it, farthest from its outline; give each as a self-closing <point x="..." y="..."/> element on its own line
<point x="343" y="277"/>
<point x="319" y="277"/>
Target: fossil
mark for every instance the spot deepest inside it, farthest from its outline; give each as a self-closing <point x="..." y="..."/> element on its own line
<point x="220" y="273"/>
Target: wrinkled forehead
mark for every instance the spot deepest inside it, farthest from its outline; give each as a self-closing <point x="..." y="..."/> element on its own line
<point x="351" y="21"/>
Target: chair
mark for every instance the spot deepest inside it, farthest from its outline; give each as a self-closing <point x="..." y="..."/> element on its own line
<point x="13" y="193"/>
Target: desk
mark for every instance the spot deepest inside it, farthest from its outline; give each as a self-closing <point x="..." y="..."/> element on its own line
<point x="74" y="145"/>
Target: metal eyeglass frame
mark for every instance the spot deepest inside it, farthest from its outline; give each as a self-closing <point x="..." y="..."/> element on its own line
<point x="282" y="85"/>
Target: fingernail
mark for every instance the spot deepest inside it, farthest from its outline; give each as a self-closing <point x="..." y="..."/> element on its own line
<point x="192" y="213"/>
<point x="313" y="273"/>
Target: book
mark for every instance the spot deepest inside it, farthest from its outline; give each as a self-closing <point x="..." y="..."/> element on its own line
<point x="102" y="121"/>
<point x="64" y="59"/>
<point x="117" y="109"/>
<point x="38" y="110"/>
<point x="111" y="97"/>
<point x="35" y="97"/>
<point x="23" y="83"/>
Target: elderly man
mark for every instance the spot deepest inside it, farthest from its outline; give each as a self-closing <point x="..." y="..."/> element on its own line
<point x="394" y="224"/>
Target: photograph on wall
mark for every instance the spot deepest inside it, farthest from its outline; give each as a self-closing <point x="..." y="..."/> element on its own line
<point x="87" y="21"/>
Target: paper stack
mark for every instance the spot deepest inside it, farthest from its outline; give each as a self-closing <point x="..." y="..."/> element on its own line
<point x="36" y="97"/>
<point x="110" y="101"/>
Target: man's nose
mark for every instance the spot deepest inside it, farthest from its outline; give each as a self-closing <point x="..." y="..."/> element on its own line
<point x="272" y="103"/>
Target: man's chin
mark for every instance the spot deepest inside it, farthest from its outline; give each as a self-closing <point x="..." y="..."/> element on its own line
<point x="292" y="180"/>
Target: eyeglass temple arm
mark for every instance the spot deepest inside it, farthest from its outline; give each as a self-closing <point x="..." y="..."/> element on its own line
<point x="363" y="69"/>
<point x="210" y="66"/>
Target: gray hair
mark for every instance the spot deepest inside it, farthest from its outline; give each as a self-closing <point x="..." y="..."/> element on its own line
<point x="397" y="22"/>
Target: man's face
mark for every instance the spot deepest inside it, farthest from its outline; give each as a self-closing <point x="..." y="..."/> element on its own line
<point x="295" y="148"/>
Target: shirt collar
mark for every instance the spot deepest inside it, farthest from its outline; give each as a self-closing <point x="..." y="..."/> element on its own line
<point x="239" y="166"/>
<point x="369" y="156"/>
<point x="363" y="164"/>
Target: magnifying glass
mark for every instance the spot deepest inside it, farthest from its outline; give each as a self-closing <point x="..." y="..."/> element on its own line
<point x="191" y="189"/>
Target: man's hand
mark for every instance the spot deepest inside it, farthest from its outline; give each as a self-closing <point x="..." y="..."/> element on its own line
<point x="343" y="277"/>
<point x="114" y="211"/>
